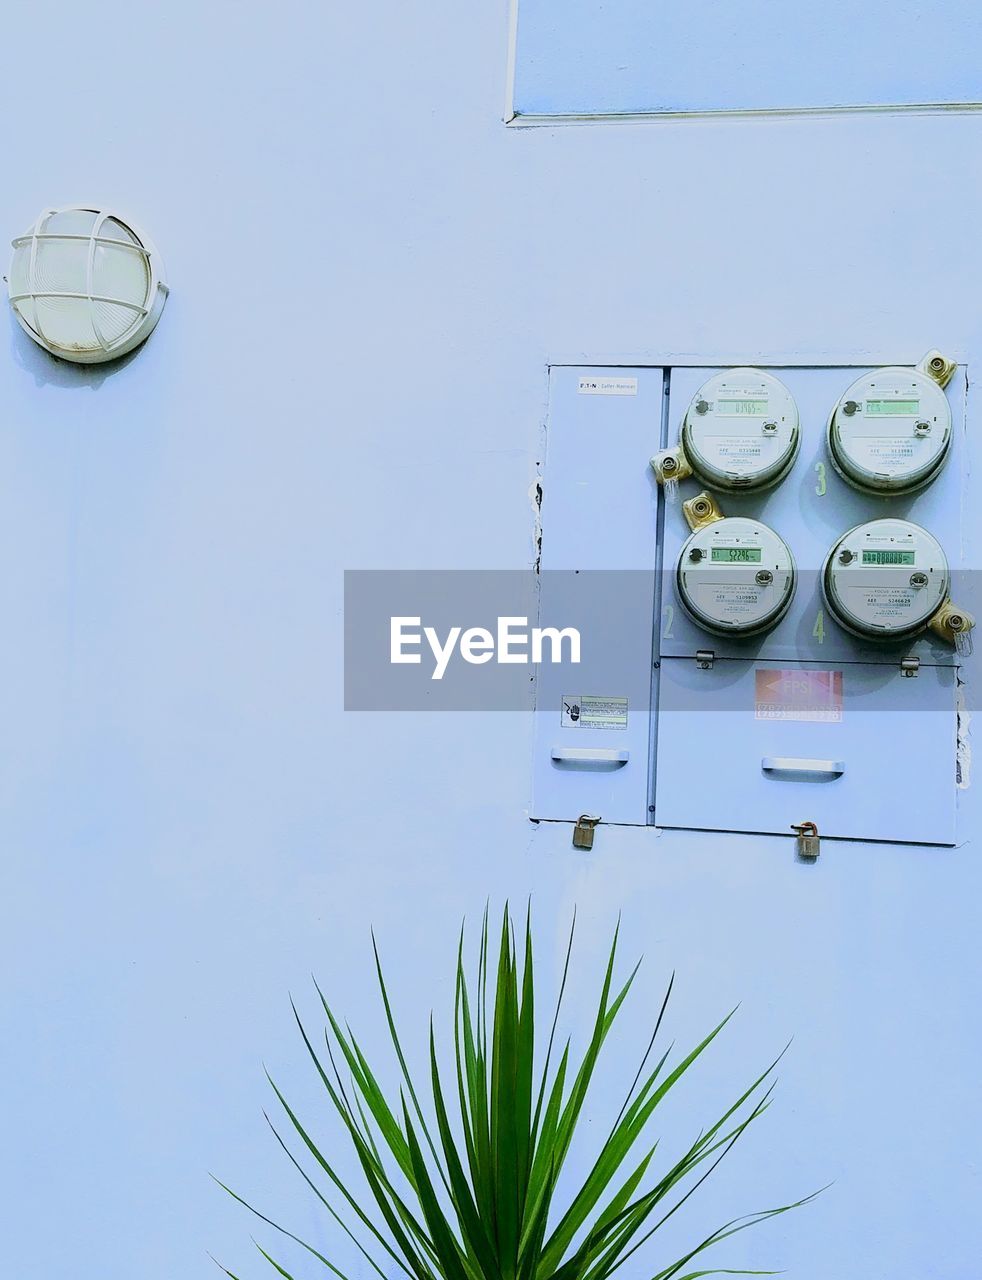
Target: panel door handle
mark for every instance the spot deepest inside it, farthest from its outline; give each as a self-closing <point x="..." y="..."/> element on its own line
<point x="794" y="764"/>
<point x="591" y="755"/>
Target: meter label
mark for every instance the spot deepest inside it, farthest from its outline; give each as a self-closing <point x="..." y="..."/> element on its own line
<point x="889" y="602"/>
<point x="810" y="696"/>
<point x="608" y="387"/>
<point x="736" y="450"/>
<point x="729" y="603"/>
<point x="877" y="452"/>
<point x="587" y="711"/>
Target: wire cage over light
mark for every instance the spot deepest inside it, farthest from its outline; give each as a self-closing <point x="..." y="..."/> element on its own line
<point x="85" y="284"/>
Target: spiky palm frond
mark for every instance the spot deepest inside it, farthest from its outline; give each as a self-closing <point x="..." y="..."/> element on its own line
<point x="470" y="1192"/>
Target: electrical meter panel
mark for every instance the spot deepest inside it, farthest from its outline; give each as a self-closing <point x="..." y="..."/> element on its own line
<point x="889" y="580"/>
<point x="812" y="508"/>
<point x="809" y="611"/>
<point x="735" y="576"/>
<point x="891" y="431"/>
<point x="740" y="432"/>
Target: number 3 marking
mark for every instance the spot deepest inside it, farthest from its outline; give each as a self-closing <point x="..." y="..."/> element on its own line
<point x="820" y="486"/>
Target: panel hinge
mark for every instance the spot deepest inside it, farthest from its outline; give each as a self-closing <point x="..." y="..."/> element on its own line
<point x="705" y="659"/>
<point x="910" y="666"/>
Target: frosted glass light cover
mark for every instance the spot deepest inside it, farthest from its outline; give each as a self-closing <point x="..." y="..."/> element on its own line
<point x="85" y="284"/>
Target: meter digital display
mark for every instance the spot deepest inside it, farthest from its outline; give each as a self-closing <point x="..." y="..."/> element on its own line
<point x="891" y="430"/>
<point x="889" y="557"/>
<point x="872" y="587"/>
<point x="736" y="555"/>
<point x="736" y="408"/>
<point x="735" y="577"/>
<point x="892" y="408"/>
<point x="740" y="431"/>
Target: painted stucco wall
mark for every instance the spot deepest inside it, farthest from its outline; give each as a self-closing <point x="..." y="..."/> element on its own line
<point x="369" y="275"/>
<point x="707" y="55"/>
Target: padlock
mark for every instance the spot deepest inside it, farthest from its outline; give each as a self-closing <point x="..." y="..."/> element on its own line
<point x="808" y="844"/>
<point x="583" y="831"/>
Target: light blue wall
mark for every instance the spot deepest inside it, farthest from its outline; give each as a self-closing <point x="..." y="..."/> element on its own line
<point x="592" y="56"/>
<point x="189" y="824"/>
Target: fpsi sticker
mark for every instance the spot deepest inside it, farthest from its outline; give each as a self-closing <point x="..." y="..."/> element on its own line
<point x="810" y="696"/>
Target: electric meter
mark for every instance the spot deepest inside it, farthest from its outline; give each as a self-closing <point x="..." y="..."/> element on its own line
<point x="891" y="431"/>
<point x="735" y="576"/>
<point x="740" y="432"/>
<point x="889" y="580"/>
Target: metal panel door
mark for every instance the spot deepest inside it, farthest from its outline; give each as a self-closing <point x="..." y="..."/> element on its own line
<point x="876" y="760"/>
<point x="599" y="520"/>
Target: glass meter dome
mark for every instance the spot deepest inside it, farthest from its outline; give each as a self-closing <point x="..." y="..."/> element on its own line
<point x="735" y="576"/>
<point x="886" y="580"/>
<point x="890" y="433"/>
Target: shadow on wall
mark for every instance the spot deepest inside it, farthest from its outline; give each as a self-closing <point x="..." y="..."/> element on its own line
<point x="48" y="371"/>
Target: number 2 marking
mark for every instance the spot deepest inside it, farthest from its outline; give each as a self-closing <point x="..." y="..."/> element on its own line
<point x="669" y="621"/>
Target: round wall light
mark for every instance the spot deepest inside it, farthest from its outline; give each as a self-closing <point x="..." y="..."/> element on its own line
<point x="85" y="284"/>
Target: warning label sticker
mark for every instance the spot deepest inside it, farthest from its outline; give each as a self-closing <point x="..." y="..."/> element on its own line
<point x="587" y="711"/>
<point x="813" y="696"/>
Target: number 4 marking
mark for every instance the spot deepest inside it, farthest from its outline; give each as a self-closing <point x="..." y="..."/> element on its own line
<point x="818" y="631"/>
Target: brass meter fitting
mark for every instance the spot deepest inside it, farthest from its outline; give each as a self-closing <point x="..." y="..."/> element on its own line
<point x="671" y="464"/>
<point x="953" y="626"/>
<point x="701" y="510"/>
<point x="938" y="367"/>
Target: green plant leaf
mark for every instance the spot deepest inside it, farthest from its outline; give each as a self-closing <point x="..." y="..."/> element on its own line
<point x="477" y="1241"/>
<point x="272" y="1261"/>
<point x="448" y="1251"/>
<point x="283" y="1231"/>
<point x="324" y="1201"/>
<point x="504" y="1119"/>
